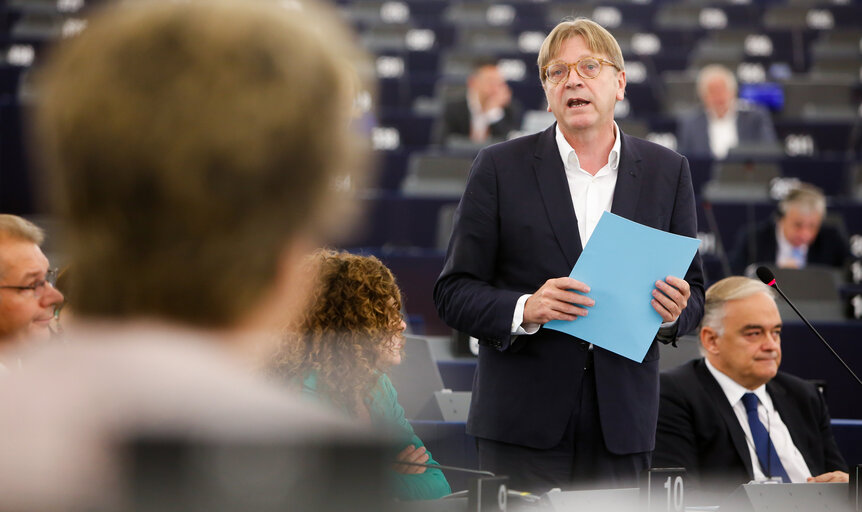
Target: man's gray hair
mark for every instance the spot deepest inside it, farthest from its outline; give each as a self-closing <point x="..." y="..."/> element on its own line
<point x="729" y="288"/>
<point x="715" y="70"/>
<point x="805" y="198"/>
<point x="13" y="226"/>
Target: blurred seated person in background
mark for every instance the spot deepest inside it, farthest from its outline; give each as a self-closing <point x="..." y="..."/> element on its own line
<point x="339" y="352"/>
<point x="28" y="298"/>
<point x="796" y="237"/>
<point x="724" y="122"/>
<point x="188" y="211"/>
<point x="486" y="113"/>
<point x="732" y="417"/>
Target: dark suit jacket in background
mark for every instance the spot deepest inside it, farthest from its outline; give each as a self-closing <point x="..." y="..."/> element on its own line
<point x="829" y="248"/>
<point x="753" y="126"/>
<point x="456" y="121"/>
<point x="698" y="430"/>
<point x="515" y="228"/>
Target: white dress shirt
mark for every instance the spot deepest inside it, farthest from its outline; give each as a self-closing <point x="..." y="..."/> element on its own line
<point x="788" y="255"/>
<point x="480" y="120"/>
<point x="591" y="195"/>
<point x="722" y="133"/>
<point x="790" y="456"/>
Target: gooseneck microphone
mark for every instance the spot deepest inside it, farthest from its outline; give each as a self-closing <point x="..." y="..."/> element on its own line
<point x="766" y="275"/>
<point x="445" y="468"/>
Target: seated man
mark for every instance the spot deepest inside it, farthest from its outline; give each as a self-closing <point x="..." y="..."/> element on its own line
<point x="486" y="112"/>
<point x="724" y="122"/>
<point x="27" y="294"/>
<point x="732" y="417"/>
<point x="796" y="238"/>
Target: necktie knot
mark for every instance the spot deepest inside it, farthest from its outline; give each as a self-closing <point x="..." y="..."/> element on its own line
<point x="749" y="400"/>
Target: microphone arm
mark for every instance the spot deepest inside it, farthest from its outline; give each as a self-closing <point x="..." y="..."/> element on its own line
<point x="448" y="468"/>
<point x="768" y="278"/>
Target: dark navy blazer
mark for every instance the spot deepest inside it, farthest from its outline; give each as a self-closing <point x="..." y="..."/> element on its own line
<point x="698" y="429"/>
<point x="515" y="228"/>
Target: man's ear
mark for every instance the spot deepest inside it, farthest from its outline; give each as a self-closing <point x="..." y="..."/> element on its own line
<point x="709" y="340"/>
<point x="621" y="82"/>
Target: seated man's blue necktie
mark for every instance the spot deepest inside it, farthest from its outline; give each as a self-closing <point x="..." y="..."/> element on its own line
<point x="766" y="454"/>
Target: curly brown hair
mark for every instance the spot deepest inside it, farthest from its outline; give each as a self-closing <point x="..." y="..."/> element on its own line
<point x="354" y="314"/>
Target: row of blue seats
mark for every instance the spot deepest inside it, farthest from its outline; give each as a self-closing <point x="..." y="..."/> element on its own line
<point x="417" y="270"/>
<point x="833" y="138"/>
<point x="394" y="221"/>
<point x="528" y="15"/>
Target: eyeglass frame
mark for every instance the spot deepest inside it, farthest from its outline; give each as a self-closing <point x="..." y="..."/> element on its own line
<point x="569" y="65"/>
<point x="50" y="278"/>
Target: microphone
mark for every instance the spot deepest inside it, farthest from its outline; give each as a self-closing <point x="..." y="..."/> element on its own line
<point x="448" y="468"/>
<point x="766" y="275"/>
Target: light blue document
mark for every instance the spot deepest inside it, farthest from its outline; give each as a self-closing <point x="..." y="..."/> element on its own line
<point x="621" y="263"/>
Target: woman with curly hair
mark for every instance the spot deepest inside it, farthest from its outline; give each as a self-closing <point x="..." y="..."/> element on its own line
<point x="350" y="335"/>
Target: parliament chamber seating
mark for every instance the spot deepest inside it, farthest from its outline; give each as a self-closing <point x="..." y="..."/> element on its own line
<point x="807" y="54"/>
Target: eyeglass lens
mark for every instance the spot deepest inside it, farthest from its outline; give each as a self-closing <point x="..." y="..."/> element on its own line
<point x="587" y="68"/>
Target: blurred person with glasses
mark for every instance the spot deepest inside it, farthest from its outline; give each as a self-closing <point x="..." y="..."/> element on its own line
<point x="585" y="417"/>
<point x="28" y="298"/>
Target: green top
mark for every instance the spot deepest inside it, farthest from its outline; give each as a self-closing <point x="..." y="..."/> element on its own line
<point x="387" y="413"/>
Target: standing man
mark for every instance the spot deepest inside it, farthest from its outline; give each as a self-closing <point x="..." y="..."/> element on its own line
<point x="27" y="294"/>
<point x="724" y="122"/>
<point x="548" y="409"/>
<point x="732" y="417"/>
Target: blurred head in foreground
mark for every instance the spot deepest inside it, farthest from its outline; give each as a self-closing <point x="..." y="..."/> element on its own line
<point x="27" y="294"/>
<point x="352" y="331"/>
<point x="195" y="147"/>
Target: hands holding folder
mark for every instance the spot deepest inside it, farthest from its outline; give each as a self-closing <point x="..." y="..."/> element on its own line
<point x="557" y="300"/>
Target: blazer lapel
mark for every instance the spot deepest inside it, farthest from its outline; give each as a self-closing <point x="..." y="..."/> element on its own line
<point x="716" y="394"/>
<point x="629" y="177"/>
<point x="554" y="187"/>
<point x="795" y="423"/>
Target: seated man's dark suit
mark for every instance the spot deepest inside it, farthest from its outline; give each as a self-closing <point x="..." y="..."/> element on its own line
<point x="753" y="126"/>
<point x="456" y="121"/>
<point x="759" y="245"/>
<point x="698" y="430"/>
<point x="514" y="229"/>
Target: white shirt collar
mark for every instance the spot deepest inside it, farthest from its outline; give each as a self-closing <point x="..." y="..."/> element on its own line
<point x="567" y="152"/>
<point x="734" y="391"/>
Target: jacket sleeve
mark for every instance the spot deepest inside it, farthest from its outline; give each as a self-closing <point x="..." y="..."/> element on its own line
<point x="832" y="458"/>
<point x="429" y="485"/>
<point x="676" y="441"/>
<point x="464" y="294"/>
<point x="684" y="222"/>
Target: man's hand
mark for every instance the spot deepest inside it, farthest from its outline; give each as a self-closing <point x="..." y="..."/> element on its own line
<point x="411" y="454"/>
<point x="555" y="300"/>
<point x="834" y="476"/>
<point x="499" y="98"/>
<point x="670" y="297"/>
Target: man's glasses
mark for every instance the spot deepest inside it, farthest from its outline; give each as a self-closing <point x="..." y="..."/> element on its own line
<point x="37" y="288"/>
<point x="588" y="67"/>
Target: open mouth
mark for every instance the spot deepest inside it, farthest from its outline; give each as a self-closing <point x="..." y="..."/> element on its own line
<point x="577" y="103"/>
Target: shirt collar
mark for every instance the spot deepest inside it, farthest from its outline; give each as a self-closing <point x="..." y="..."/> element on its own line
<point x="566" y="151"/>
<point x="734" y="391"/>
